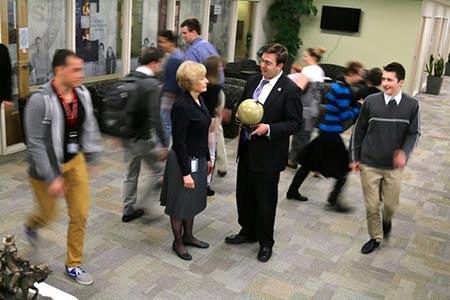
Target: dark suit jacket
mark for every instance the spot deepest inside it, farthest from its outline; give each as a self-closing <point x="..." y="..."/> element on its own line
<point x="283" y="112"/>
<point x="190" y="124"/>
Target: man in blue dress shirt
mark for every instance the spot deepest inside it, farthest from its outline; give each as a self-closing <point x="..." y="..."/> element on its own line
<point x="199" y="49"/>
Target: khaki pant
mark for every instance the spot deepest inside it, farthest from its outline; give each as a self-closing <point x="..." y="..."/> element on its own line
<point x="77" y="198"/>
<point x="378" y="186"/>
<point x="221" y="158"/>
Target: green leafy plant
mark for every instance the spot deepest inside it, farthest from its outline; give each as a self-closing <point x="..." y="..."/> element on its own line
<point x="429" y="66"/>
<point x="435" y="66"/>
<point x="285" y="15"/>
<point x="438" y="67"/>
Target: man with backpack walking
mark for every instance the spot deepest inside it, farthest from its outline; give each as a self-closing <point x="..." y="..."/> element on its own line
<point x="62" y="134"/>
<point x="143" y="135"/>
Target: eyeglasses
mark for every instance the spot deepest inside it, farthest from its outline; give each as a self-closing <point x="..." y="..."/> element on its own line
<point x="266" y="62"/>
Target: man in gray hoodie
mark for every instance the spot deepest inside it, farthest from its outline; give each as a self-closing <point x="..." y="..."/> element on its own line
<point x="62" y="134"/>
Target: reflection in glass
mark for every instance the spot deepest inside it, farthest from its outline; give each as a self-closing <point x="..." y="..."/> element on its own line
<point x="219" y="24"/>
<point x="188" y="9"/>
<point x="98" y="36"/>
<point x="148" y="17"/>
<point x="46" y="29"/>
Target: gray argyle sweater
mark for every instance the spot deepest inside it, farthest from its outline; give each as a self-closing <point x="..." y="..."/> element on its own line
<point x="380" y="130"/>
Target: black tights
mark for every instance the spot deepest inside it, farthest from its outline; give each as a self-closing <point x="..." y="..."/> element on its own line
<point x="182" y="231"/>
<point x="301" y="175"/>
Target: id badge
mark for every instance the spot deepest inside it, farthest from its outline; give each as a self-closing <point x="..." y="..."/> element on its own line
<point x="194" y="165"/>
<point x="72" y="145"/>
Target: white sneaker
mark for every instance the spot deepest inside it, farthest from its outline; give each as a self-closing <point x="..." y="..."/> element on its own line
<point x="79" y="275"/>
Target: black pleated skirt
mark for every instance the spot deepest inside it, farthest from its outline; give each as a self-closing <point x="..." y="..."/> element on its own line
<point x="180" y="202"/>
<point x="327" y="155"/>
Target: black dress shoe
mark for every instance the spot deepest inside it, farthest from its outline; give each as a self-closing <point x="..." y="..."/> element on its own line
<point x="134" y="215"/>
<point x="184" y="256"/>
<point x="387" y="226"/>
<point x="222" y="173"/>
<point x="296" y="196"/>
<point x="209" y="191"/>
<point x="339" y="207"/>
<point x="292" y="164"/>
<point x="199" y="244"/>
<point x="370" y="246"/>
<point x="237" y="239"/>
<point x="264" y="254"/>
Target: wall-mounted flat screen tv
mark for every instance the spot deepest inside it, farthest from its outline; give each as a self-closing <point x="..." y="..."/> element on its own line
<point x="340" y="18"/>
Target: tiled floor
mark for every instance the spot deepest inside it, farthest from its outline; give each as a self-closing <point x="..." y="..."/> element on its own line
<point x="316" y="255"/>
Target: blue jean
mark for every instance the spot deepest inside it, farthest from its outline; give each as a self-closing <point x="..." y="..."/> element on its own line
<point x="166" y="121"/>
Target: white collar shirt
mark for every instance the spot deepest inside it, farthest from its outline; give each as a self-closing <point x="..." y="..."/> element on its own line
<point x="146" y="70"/>
<point x="267" y="88"/>
<point x="397" y="98"/>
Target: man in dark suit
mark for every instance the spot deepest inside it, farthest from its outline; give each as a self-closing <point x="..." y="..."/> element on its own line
<point x="263" y="150"/>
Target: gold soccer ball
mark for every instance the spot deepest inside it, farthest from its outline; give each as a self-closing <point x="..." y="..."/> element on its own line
<point x="250" y="112"/>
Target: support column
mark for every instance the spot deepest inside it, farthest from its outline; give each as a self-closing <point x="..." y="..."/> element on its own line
<point x="205" y="19"/>
<point x="127" y="9"/>
<point x="232" y="31"/>
<point x="70" y="25"/>
<point x="170" y="22"/>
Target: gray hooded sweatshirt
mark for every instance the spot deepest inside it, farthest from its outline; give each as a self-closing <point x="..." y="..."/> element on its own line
<point x="44" y="128"/>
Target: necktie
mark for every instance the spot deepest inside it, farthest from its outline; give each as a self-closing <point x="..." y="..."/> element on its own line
<point x="259" y="88"/>
<point x="392" y="104"/>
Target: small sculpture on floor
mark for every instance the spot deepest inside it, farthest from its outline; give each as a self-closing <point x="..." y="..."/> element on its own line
<point x="16" y="273"/>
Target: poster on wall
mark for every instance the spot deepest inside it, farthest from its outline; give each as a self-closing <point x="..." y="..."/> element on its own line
<point x="46" y="24"/>
<point x="96" y="35"/>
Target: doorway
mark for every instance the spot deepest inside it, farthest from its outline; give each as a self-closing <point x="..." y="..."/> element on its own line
<point x="244" y="27"/>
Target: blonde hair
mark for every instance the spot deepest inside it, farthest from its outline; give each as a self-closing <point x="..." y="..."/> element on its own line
<point x="189" y="73"/>
<point x="316" y="52"/>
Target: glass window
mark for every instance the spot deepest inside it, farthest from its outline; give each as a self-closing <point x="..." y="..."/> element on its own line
<point x="46" y="30"/>
<point x="219" y="24"/>
<point x="98" y="36"/>
<point x="145" y="26"/>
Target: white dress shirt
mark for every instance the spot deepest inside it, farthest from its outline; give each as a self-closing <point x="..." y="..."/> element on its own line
<point x="397" y="98"/>
<point x="268" y="88"/>
<point x="146" y="70"/>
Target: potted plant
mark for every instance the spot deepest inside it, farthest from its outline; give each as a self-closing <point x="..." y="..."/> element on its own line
<point x="285" y="16"/>
<point x="447" y="66"/>
<point x="434" y="69"/>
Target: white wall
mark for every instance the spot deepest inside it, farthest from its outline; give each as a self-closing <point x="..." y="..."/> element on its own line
<point x="388" y="32"/>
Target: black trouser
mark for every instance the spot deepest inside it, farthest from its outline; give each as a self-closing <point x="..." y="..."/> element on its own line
<point x="301" y="175"/>
<point x="256" y="196"/>
<point x="298" y="179"/>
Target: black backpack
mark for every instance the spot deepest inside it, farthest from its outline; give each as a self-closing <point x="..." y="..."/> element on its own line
<point x="118" y="108"/>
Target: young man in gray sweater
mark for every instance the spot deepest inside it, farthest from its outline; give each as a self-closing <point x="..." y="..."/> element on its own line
<point x="62" y="135"/>
<point x="384" y="136"/>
